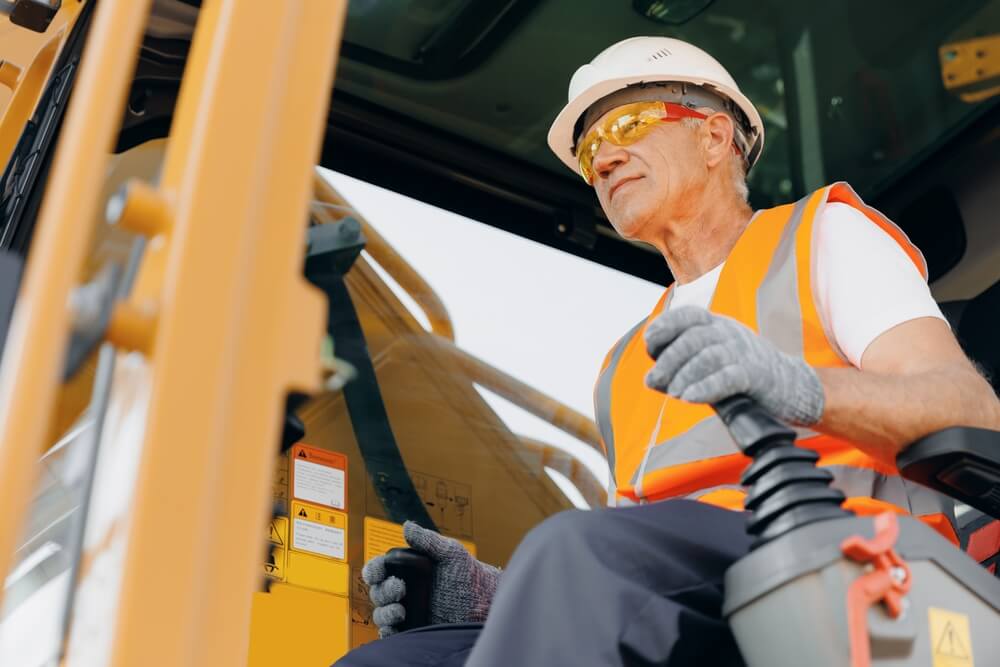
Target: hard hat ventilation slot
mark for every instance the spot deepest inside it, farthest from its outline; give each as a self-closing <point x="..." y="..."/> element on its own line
<point x="656" y="55"/>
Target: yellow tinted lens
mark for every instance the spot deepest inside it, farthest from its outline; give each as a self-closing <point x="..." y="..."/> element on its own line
<point x="588" y="149"/>
<point x="622" y="130"/>
<point x="630" y="124"/>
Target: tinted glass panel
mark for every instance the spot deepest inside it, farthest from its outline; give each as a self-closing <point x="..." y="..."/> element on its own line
<point x="849" y="90"/>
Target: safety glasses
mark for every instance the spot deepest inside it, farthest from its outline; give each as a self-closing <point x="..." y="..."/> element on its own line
<point x="627" y="125"/>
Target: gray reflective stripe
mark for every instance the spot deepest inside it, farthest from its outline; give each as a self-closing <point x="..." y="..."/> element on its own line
<point x="831" y="339"/>
<point x="707" y="439"/>
<point x="612" y="491"/>
<point x="859" y="482"/>
<point x="621" y="501"/>
<point x="779" y="313"/>
<point x="867" y="483"/>
<point x="913" y="498"/>
<point x="637" y="477"/>
<point x="602" y="397"/>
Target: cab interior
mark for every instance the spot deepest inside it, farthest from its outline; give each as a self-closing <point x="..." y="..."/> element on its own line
<point x="448" y="103"/>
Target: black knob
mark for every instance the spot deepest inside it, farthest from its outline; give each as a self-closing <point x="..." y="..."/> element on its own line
<point x="416" y="569"/>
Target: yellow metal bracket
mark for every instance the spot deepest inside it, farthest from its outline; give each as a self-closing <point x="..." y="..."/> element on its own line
<point x="236" y="324"/>
<point x="9" y="74"/>
<point x="37" y="53"/>
<point x="967" y="66"/>
<point x="32" y="360"/>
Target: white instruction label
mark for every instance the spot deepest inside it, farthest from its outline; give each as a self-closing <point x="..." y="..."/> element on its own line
<point x="318" y="539"/>
<point x="320" y="484"/>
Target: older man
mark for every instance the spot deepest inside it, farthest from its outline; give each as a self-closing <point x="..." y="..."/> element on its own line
<point x="819" y="310"/>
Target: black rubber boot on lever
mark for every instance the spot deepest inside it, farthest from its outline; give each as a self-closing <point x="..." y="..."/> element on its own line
<point x="785" y="489"/>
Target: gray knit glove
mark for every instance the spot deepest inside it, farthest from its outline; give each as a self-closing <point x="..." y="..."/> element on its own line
<point x="462" y="590"/>
<point x="703" y="358"/>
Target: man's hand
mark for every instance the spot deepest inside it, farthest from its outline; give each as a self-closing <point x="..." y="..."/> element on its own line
<point x="703" y="358"/>
<point x="462" y="590"/>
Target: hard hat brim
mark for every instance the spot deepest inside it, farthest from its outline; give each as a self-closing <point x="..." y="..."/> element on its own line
<point x="560" y="137"/>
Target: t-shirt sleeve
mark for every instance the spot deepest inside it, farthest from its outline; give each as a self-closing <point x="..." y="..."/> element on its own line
<point x="865" y="284"/>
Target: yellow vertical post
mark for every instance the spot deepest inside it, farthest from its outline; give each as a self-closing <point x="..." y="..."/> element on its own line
<point x="236" y="324"/>
<point x="36" y="343"/>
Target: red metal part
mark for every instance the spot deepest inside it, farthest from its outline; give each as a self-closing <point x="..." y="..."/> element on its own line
<point x="888" y="581"/>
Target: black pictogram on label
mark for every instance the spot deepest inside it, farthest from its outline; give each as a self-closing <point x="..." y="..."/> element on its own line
<point x="302" y="512"/>
<point x="275" y="536"/>
<point x="302" y="454"/>
<point x="950" y="645"/>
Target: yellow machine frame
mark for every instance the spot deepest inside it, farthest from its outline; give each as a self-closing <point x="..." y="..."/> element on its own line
<point x="221" y="318"/>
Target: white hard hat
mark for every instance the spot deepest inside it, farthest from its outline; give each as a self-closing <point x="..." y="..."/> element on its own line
<point x="639" y="61"/>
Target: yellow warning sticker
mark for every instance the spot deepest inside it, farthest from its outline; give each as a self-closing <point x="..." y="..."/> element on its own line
<point x="319" y="476"/>
<point x="951" y="639"/>
<point x="279" y="531"/>
<point x="380" y="536"/>
<point x="274" y="567"/>
<point x="318" y="530"/>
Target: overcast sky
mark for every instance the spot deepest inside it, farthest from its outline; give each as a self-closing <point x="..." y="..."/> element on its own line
<point x="541" y="315"/>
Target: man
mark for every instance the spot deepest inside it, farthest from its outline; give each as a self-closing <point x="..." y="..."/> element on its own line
<point x="818" y="310"/>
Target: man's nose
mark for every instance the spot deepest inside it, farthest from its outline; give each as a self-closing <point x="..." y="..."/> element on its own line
<point x="608" y="157"/>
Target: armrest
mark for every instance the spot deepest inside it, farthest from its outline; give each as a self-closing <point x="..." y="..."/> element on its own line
<point x="961" y="462"/>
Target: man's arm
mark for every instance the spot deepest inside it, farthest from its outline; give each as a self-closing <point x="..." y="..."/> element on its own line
<point x="915" y="380"/>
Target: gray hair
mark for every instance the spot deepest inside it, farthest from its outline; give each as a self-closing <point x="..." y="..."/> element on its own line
<point x="737" y="167"/>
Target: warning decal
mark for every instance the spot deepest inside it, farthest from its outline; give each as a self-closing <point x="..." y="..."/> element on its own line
<point x="319" y="531"/>
<point x="274" y="566"/>
<point x="951" y="640"/>
<point x="279" y="531"/>
<point x="319" y="539"/>
<point x="319" y="476"/>
<point x="380" y="536"/>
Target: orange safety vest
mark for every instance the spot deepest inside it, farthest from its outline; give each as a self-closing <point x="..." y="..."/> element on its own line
<point x="661" y="447"/>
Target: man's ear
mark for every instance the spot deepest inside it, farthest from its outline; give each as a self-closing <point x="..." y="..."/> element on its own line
<point x="718" y="137"/>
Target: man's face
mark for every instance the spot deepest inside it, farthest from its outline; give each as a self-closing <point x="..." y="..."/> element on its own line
<point x="638" y="183"/>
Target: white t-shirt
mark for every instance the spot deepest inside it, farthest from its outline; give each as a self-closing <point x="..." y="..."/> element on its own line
<point x="865" y="283"/>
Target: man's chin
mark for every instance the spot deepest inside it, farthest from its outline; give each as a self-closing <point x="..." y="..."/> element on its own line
<point x="628" y="223"/>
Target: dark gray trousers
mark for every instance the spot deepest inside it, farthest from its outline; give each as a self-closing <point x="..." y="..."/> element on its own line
<point x="629" y="586"/>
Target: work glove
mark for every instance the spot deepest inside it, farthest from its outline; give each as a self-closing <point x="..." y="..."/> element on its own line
<point x="703" y="358"/>
<point x="461" y="592"/>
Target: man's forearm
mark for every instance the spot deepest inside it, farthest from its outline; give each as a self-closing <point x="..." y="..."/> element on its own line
<point x="883" y="413"/>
